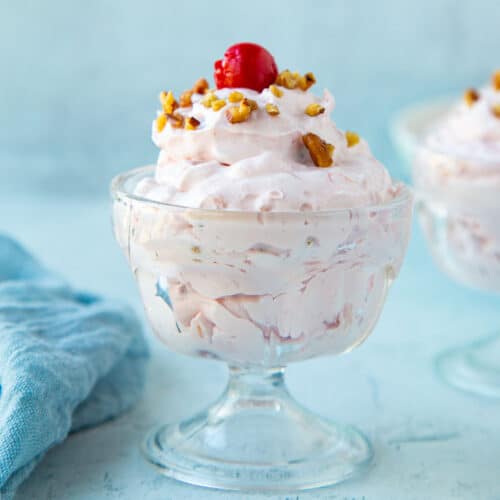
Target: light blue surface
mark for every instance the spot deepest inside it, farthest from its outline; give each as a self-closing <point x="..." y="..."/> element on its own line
<point x="68" y="361"/>
<point x="430" y="441"/>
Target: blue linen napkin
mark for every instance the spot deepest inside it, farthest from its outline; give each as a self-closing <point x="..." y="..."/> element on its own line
<point x="68" y="360"/>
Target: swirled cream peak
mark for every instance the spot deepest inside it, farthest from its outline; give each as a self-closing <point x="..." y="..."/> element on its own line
<point x="472" y="128"/>
<point x="262" y="162"/>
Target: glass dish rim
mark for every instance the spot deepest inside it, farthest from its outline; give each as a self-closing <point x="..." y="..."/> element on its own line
<point x="118" y="191"/>
<point x="425" y="145"/>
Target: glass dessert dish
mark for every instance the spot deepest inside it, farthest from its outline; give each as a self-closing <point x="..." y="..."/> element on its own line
<point x="459" y="210"/>
<point x="263" y="235"/>
<point x="259" y="290"/>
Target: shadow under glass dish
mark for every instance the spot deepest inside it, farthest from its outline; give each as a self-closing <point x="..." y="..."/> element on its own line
<point x="258" y="290"/>
<point x="461" y="225"/>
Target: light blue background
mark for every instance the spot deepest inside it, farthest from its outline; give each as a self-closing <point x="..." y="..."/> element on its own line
<point x="78" y="90"/>
<point x="79" y="79"/>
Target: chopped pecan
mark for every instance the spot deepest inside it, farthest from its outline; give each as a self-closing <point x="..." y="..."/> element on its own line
<point x="200" y="86"/>
<point x="209" y="99"/>
<point x="192" y="123"/>
<point x="288" y="79"/>
<point x="352" y="138"/>
<point x="185" y="99"/>
<point x="250" y="102"/>
<point x="168" y="102"/>
<point x="235" y="97"/>
<point x="277" y="92"/>
<point x="161" y="121"/>
<point x="320" y="151"/>
<point x="314" y="109"/>
<point x="307" y="81"/>
<point x="238" y="114"/>
<point x="176" y="120"/>
<point x="495" y="80"/>
<point x="471" y="96"/>
<point x="218" y="104"/>
<point x="272" y="109"/>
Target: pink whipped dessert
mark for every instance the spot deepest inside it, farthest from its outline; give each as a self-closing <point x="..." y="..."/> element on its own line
<point x="457" y="171"/>
<point x="274" y="235"/>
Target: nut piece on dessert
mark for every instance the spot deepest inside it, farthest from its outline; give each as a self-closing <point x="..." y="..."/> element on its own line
<point x="201" y="86"/>
<point x="321" y="152"/>
<point x="272" y="109"/>
<point x="314" y="109"/>
<point x="235" y="97"/>
<point x="250" y="102"/>
<point x="288" y="79"/>
<point x="495" y="109"/>
<point x="168" y="102"/>
<point x="185" y="99"/>
<point x="277" y="92"/>
<point x="161" y="121"/>
<point x="471" y="96"/>
<point x="307" y="81"/>
<point x="176" y="120"/>
<point x="352" y="138"/>
<point x="218" y="104"/>
<point x="209" y="98"/>
<point x="192" y="123"/>
<point x="495" y="80"/>
<point x="241" y="113"/>
<point x="294" y="80"/>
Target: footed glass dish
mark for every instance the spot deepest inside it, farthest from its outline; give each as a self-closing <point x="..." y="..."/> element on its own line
<point x="259" y="290"/>
<point x="460" y="219"/>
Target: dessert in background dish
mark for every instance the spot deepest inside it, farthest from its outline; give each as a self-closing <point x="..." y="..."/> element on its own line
<point x="274" y="235"/>
<point x="263" y="235"/>
<point x="457" y="172"/>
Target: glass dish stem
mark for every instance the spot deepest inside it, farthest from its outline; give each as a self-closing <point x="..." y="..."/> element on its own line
<point x="257" y="437"/>
<point x="474" y="368"/>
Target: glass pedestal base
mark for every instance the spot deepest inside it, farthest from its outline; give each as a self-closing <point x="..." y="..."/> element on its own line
<point x="474" y="368"/>
<point x="257" y="438"/>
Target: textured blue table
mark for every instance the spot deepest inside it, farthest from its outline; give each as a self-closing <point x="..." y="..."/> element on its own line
<point x="430" y="441"/>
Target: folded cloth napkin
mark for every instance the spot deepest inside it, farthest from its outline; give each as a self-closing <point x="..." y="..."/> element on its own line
<point x="68" y="360"/>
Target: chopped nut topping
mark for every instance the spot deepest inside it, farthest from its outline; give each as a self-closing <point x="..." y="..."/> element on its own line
<point x="195" y="249"/>
<point x="293" y="80"/>
<point x="495" y="80"/>
<point x="307" y="81"/>
<point x="320" y="151"/>
<point x="352" y="138"/>
<point x="161" y="121"/>
<point x="288" y="79"/>
<point x="168" y="102"/>
<point x="236" y="114"/>
<point x="272" y="109"/>
<point x="495" y="109"/>
<point x="250" y="102"/>
<point x="471" y="96"/>
<point x="185" y="99"/>
<point x="235" y="96"/>
<point x="192" y="123"/>
<point x="275" y="91"/>
<point x="241" y="113"/>
<point x="218" y="104"/>
<point x="201" y="86"/>
<point x="209" y="99"/>
<point x="314" y="109"/>
<point x="176" y="120"/>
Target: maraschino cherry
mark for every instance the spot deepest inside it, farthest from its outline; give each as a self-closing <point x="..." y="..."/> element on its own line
<point x="245" y="65"/>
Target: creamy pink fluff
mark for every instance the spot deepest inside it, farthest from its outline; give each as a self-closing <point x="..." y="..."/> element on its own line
<point x="261" y="164"/>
